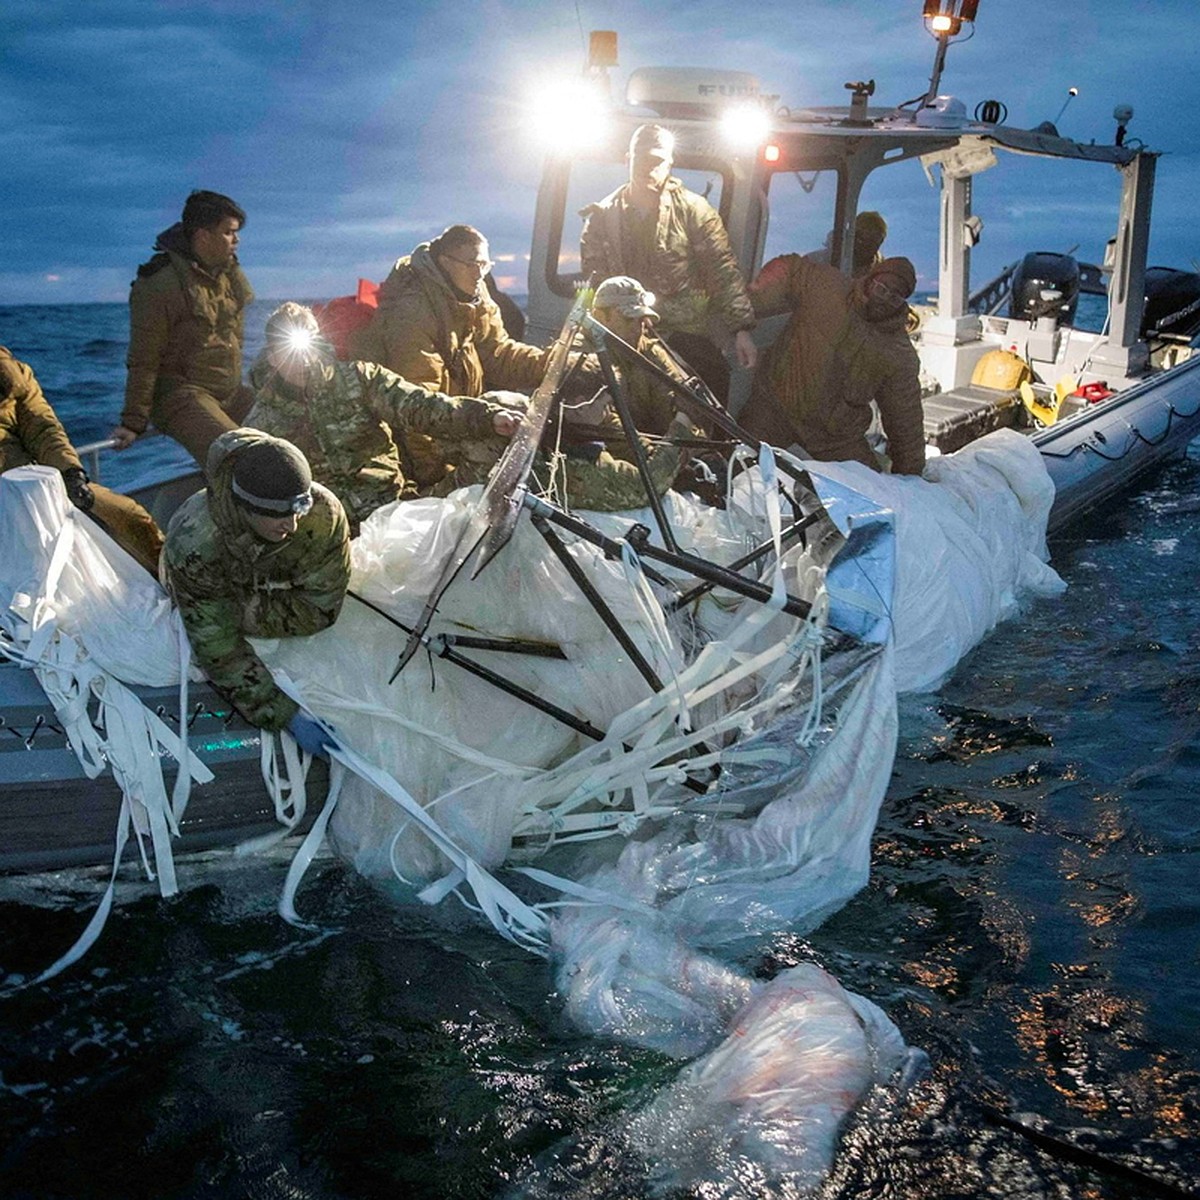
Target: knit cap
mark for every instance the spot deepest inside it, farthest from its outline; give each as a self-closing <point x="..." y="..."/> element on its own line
<point x="273" y="476"/>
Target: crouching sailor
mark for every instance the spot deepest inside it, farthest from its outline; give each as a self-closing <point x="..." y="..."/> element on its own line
<point x="261" y="552"/>
<point x="353" y="419"/>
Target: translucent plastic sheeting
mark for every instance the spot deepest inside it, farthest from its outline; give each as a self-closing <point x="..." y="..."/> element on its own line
<point x="805" y="740"/>
<point x="102" y="596"/>
<point x="766" y="1104"/>
<point x="482" y="759"/>
<point x="86" y="619"/>
<point x="971" y="541"/>
<point x="776" y="1081"/>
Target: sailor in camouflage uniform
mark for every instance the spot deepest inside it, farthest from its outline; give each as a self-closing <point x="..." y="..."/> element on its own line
<point x="351" y="419"/>
<point x="262" y="552"/>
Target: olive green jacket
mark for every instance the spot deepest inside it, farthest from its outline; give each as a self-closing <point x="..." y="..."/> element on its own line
<point x="691" y="268"/>
<point x="185" y="327"/>
<point x="351" y="420"/>
<point x="30" y="431"/>
<point x="814" y="385"/>
<point x="230" y="584"/>
<point x="424" y="331"/>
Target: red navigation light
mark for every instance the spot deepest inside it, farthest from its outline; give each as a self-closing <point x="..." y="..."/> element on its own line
<point x="771" y="153"/>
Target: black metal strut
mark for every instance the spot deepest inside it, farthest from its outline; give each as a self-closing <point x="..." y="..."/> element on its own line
<point x="691" y="563"/>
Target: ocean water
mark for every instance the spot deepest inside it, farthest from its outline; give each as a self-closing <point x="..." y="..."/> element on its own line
<point x="1032" y="922"/>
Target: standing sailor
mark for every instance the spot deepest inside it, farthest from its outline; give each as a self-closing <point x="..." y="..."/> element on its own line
<point x="186" y="311"/>
<point x="673" y="242"/>
<point x="262" y="552"/>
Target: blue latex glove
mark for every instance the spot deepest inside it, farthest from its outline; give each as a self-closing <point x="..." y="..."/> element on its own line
<point x="312" y="735"/>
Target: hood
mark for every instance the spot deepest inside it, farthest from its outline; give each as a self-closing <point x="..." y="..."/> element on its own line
<point x="174" y="240"/>
<point x="226" y="514"/>
<point x="419" y="269"/>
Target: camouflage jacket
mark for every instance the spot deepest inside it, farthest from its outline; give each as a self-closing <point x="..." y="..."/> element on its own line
<point x="652" y="403"/>
<point x="611" y="484"/>
<point x="690" y="266"/>
<point x="352" y="421"/>
<point x="185" y="326"/>
<point x="424" y="331"/>
<point x="814" y="385"/>
<point x="30" y="432"/>
<point x="230" y="584"/>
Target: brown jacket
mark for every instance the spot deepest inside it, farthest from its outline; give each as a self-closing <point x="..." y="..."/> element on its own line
<point x="30" y="431"/>
<point x="185" y="327"/>
<point x="424" y="331"/>
<point x="815" y="384"/>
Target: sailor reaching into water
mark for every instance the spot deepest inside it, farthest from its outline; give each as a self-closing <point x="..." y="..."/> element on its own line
<point x="353" y="420"/>
<point x="263" y="551"/>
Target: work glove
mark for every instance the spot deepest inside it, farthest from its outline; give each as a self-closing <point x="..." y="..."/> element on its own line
<point x="311" y="734"/>
<point x="79" y="488"/>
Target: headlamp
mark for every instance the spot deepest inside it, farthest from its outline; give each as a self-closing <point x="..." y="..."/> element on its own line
<point x="299" y="340"/>
<point x="267" y="506"/>
<point x="296" y="343"/>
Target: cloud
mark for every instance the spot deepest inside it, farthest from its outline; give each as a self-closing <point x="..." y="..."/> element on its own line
<point x="352" y="131"/>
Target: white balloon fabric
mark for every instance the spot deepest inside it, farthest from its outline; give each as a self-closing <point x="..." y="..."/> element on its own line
<point x="803" y="739"/>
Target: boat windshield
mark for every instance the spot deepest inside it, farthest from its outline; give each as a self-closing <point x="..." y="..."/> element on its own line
<point x="802" y="206"/>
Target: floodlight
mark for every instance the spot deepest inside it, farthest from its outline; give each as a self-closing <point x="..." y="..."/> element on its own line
<point x="745" y="126"/>
<point x="570" y="115"/>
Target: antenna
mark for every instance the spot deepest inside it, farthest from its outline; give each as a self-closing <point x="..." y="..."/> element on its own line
<point x="1071" y="94"/>
<point x="944" y="20"/>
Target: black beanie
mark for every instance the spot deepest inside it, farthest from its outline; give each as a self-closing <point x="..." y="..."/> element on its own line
<point x="272" y="475"/>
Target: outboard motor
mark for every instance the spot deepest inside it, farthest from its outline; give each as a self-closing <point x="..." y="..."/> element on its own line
<point x="1172" y="302"/>
<point x="1041" y="272"/>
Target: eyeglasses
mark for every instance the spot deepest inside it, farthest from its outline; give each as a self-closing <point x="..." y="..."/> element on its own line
<point x="481" y="268"/>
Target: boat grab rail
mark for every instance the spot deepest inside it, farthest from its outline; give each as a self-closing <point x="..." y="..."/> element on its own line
<point x="90" y="452"/>
<point x="1044" y="438"/>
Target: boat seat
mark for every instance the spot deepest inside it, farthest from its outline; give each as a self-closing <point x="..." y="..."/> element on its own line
<point x="954" y="418"/>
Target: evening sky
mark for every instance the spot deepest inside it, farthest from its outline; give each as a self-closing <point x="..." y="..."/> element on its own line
<point x="352" y="131"/>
